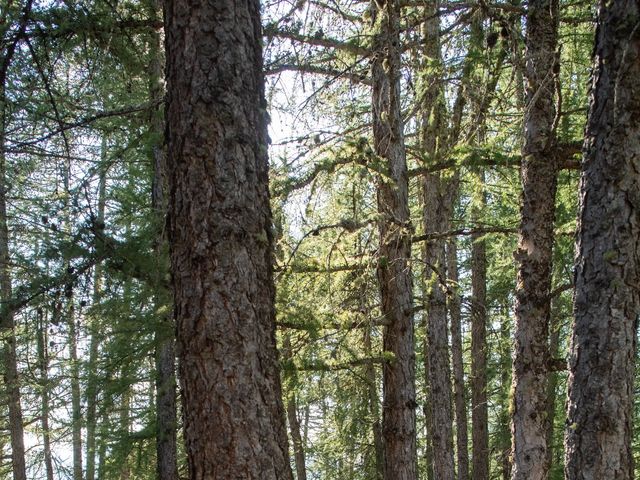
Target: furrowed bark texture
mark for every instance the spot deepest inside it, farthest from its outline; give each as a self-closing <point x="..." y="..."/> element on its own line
<point x="607" y="298"/>
<point x="459" y="395"/>
<point x="394" y="271"/>
<point x="436" y="218"/>
<point x="535" y="243"/>
<point x="221" y="242"/>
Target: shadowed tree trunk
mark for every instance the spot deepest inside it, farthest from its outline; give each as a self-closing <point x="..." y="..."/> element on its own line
<point x="165" y="356"/>
<point x="96" y="337"/>
<point x="607" y="299"/>
<point x="394" y="271"/>
<point x="221" y="241"/>
<point x="535" y="243"/>
<point x="459" y="396"/>
<point x="43" y="365"/>
<point x="479" y="411"/>
<point x="7" y="324"/>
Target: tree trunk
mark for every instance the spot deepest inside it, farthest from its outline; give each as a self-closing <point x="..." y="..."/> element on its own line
<point x="125" y="426"/>
<point x="479" y="410"/>
<point x="96" y="337"/>
<point x="294" y="423"/>
<point x="374" y="401"/>
<point x="552" y="387"/>
<point x="462" y="441"/>
<point x="221" y="241"/>
<point x="535" y="243"/>
<point x="607" y="303"/>
<point x="394" y="270"/>
<point x="43" y="364"/>
<point x="436" y="215"/>
<point x="7" y="325"/>
<point x="165" y="356"/>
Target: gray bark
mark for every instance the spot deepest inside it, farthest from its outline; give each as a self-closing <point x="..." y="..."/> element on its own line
<point x="535" y="242"/>
<point x="222" y="242"/>
<point x="394" y="270"/>
<point x="607" y="279"/>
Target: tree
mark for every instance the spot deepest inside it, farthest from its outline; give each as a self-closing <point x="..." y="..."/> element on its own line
<point x="607" y="298"/>
<point x="10" y="37"/>
<point x="394" y="270"/>
<point x="534" y="253"/>
<point x="221" y="241"/>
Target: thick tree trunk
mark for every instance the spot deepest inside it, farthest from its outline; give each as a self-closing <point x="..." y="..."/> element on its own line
<point x="479" y="410"/>
<point x="221" y="241"/>
<point x="459" y="395"/>
<point x="535" y="243"/>
<point x="607" y="299"/>
<point x="394" y="270"/>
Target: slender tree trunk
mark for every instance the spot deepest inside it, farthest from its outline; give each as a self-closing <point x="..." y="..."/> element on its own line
<point x="394" y="270"/>
<point x="479" y="410"/>
<point x="607" y="299"/>
<point x="294" y="423"/>
<point x="504" y="440"/>
<point x="125" y="426"/>
<point x="436" y="214"/>
<point x="7" y="325"/>
<point x="96" y="337"/>
<point x="374" y="404"/>
<point x="70" y="318"/>
<point x="43" y="364"/>
<point x="222" y="243"/>
<point x="462" y="441"/>
<point x="535" y="243"/>
<point x="165" y="356"/>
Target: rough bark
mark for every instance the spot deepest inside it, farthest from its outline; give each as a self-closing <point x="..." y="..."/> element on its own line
<point x="552" y="387"/>
<point x="607" y="278"/>
<point x="221" y="241"/>
<point x="459" y="395"/>
<point x="535" y="243"/>
<point x="436" y="214"/>
<point x="394" y="270"/>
